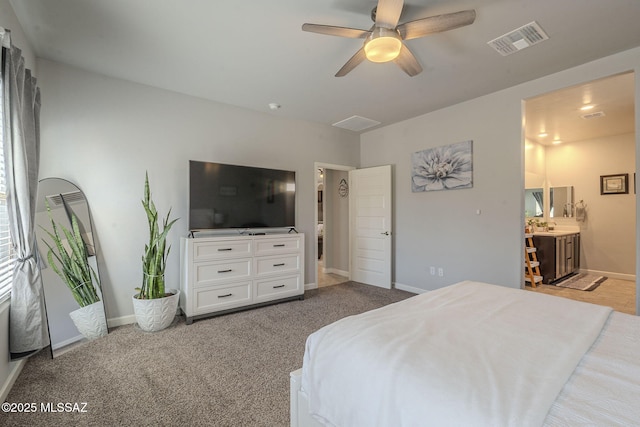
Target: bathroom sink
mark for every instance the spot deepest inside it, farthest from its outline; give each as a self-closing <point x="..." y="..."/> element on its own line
<point x="553" y="232"/>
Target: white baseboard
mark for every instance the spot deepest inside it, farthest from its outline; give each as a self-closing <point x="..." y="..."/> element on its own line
<point x="408" y="288"/>
<point x="128" y="320"/>
<point x="308" y="286"/>
<point x="14" y="371"/>
<point x="610" y="274"/>
<point x="65" y="343"/>
<point x="336" y="271"/>
<point x="120" y="321"/>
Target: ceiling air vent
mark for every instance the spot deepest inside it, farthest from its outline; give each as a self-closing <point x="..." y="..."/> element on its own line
<point x="356" y="123"/>
<point x="516" y="40"/>
<point x="593" y="115"/>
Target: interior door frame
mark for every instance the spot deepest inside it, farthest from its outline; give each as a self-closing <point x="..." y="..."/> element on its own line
<point x="316" y="166"/>
<point x="637" y="160"/>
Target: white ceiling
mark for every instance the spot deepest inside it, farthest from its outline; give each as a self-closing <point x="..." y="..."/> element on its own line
<point x="253" y="53"/>
<point x="559" y="114"/>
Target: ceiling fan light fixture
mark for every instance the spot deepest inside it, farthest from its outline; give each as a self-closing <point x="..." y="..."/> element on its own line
<point x="383" y="45"/>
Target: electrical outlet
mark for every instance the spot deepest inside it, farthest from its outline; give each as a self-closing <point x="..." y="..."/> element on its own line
<point x="440" y="272"/>
<point x="432" y="270"/>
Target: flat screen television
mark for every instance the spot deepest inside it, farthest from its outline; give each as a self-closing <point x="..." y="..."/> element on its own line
<point x="232" y="196"/>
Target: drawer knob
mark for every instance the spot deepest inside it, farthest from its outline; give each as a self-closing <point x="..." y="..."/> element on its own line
<point x="225" y="271"/>
<point x="278" y="286"/>
<point x="279" y="265"/>
<point x="224" y="249"/>
<point x="281" y="245"/>
<point x="225" y="296"/>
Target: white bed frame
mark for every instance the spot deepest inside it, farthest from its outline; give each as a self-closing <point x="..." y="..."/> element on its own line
<point x="299" y="403"/>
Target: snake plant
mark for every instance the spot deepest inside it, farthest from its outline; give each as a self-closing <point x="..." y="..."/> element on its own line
<point x="74" y="268"/>
<point x="156" y="251"/>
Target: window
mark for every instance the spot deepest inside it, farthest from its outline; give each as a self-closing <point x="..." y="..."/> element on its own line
<point x="7" y="255"/>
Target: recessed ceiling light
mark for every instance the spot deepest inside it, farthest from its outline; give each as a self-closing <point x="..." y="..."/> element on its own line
<point x="557" y="141"/>
<point x="543" y="134"/>
<point x="273" y="106"/>
<point x="586" y="107"/>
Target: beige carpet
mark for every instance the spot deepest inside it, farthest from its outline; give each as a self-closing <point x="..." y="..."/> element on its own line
<point x="231" y="370"/>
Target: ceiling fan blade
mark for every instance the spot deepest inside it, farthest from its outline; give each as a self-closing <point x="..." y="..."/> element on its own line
<point x="436" y="24"/>
<point x="352" y="33"/>
<point x="408" y="62"/>
<point x="388" y="13"/>
<point x="352" y="63"/>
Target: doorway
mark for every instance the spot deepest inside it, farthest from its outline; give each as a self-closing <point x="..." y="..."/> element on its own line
<point x="573" y="138"/>
<point x="332" y="225"/>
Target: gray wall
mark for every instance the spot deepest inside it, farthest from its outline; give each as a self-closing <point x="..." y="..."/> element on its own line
<point x="103" y="134"/>
<point x="336" y="223"/>
<point x="442" y="228"/>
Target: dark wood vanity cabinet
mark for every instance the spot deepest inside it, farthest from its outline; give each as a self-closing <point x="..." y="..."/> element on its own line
<point x="559" y="256"/>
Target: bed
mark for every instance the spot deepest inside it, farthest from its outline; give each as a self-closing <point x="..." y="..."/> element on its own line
<point x="472" y="354"/>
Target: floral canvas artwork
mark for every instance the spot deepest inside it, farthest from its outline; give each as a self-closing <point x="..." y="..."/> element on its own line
<point x="442" y="168"/>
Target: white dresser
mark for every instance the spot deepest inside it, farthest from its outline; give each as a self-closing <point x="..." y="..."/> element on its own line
<point x="229" y="273"/>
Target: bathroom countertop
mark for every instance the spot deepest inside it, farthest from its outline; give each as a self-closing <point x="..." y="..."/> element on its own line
<point x="554" y="233"/>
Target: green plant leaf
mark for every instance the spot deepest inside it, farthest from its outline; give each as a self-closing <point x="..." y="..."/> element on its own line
<point x="156" y="252"/>
<point x="73" y="268"/>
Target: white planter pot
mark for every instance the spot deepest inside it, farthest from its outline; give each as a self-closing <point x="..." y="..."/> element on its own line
<point x="156" y="314"/>
<point x="90" y="320"/>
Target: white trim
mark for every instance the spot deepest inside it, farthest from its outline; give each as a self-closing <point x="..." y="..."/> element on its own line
<point x="610" y="274"/>
<point x="5" y="298"/>
<point x="15" y="368"/>
<point x="67" y="342"/>
<point x="5" y="303"/>
<point x="408" y="288"/>
<point x="121" y="321"/>
<point x="309" y="286"/>
<point x="336" y="271"/>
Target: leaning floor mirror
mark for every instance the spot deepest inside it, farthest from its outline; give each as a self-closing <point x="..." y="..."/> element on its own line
<point x="72" y="291"/>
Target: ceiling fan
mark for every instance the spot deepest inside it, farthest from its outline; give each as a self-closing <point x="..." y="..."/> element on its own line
<point x="384" y="41"/>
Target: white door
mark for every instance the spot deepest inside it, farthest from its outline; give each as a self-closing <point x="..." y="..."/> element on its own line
<point x="370" y="225"/>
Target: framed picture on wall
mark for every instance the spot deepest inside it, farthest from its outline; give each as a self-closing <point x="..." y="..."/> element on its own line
<point x="614" y="184"/>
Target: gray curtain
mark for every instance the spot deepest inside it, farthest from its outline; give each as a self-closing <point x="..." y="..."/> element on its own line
<point x="21" y="113"/>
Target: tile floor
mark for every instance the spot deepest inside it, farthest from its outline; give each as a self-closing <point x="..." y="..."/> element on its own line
<point x="617" y="294"/>
<point x="328" y="279"/>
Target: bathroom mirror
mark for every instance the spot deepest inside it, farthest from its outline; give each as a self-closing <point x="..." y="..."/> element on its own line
<point x="69" y="323"/>
<point x="561" y="202"/>
<point x="533" y="202"/>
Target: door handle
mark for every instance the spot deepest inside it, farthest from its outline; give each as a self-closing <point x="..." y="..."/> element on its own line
<point x="386" y="233"/>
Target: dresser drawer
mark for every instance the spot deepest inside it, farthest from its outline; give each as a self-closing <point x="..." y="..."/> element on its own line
<point x="207" y="250"/>
<point x="275" y="288"/>
<point x="275" y="246"/>
<point x="277" y="264"/>
<point x="206" y="273"/>
<point x="214" y="298"/>
<point x="224" y="273"/>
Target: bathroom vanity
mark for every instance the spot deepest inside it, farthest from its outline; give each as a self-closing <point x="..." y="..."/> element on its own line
<point x="558" y="253"/>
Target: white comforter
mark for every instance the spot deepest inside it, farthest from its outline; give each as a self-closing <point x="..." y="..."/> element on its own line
<point x="467" y="354"/>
